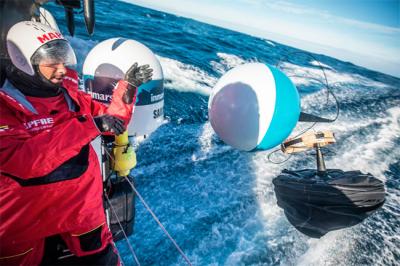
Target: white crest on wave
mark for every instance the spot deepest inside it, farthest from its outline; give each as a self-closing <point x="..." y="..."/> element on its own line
<point x="226" y="62"/>
<point x="185" y="77"/>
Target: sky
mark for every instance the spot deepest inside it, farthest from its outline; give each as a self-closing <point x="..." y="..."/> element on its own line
<point x="364" y="32"/>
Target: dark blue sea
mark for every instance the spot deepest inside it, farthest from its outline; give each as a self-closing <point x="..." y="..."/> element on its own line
<point x="219" y="203"/>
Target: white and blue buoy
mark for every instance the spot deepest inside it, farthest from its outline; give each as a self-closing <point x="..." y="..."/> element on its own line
<point x="254" y="106"/>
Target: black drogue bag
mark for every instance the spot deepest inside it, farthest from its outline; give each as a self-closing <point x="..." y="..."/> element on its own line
<point x="317" y="201"/>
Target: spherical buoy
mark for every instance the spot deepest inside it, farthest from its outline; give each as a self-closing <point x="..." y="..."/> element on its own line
<point x="108" y="62"/>
<point x="254" y="106"/>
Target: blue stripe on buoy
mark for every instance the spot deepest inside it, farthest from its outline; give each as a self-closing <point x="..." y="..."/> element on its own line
<point x="286" y="112"/>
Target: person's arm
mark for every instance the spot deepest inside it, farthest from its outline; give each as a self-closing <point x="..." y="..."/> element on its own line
<point x="117" y="107"/>
<point x="26" y="156"/>
<point x="108" y="120"/>
<point x="124" y="94"/>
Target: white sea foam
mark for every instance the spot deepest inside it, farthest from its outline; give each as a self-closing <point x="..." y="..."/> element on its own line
<point x="185" y="77"/>
<point x="226" y="62"/>
<point x="270" y="43"/>
<point x="332" y="249"/>
<point x="207" y="149"/>
<point x="265" y="172"/>
<point x="362" y="153"/>
<point x="317" y="63"/>
<point x="300" y="75"/>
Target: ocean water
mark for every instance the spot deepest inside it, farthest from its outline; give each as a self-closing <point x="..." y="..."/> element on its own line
<point x="219" y="203"/>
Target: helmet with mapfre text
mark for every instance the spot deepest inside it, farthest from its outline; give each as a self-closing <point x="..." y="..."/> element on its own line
<point x="29" y="43"/>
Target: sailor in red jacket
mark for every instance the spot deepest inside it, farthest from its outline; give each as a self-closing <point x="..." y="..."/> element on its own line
<point x="50" y="180"/>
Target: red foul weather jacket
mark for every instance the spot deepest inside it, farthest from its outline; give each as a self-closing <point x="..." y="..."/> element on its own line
<point x="50" y="180"/>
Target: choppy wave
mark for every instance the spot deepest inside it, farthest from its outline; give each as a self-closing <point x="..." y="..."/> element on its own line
<point x="185" y="77"/>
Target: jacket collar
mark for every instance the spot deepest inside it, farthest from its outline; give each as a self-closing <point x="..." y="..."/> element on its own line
<point x="17" y="99"/>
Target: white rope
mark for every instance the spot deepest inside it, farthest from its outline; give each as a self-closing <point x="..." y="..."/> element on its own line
<point x="159" y="223"/>
<point x="123" y="231"/>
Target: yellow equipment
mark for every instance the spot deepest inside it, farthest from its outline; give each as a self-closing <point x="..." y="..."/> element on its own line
<point x="124" y="155"/>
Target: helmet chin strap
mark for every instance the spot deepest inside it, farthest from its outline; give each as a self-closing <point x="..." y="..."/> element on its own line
<point x="35" y="86"/>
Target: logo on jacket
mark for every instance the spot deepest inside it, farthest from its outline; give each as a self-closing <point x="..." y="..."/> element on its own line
<point x="39" y="124"/>
<point x="4" y="128"/>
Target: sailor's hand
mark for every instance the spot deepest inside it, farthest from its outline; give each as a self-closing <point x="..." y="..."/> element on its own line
<point x="137" y="75"/>
<point x="109" y="123"/>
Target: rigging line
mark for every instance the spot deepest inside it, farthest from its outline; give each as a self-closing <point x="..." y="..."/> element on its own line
<point x="158" y="222"/>
<point x="109" y="155"/>
<point x="38" y="8"/>
<point x="275" y="162"/>
<point x="123" y="231"/>
<point x="304" y="130"/>
<point x="106" y="149"/>
<point x="112" y="208"/>
<point x="326" y="85"/>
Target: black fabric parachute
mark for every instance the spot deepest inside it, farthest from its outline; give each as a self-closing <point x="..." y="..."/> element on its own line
<point x="316" y="204"/>
<point x="317" y="201"/>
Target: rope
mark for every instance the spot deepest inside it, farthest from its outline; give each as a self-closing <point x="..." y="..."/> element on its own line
<point x="38" y="8"/>
<point x="152" y="214"/>
<point x="109" y="156"/>
<point x="123" y="231"/>
<point x="158" y="222"/>
<point x="327" y="87"/>
<point x="326" y="84"/>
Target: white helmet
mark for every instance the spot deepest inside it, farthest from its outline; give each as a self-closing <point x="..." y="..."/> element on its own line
<point x="28" y="43"/>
